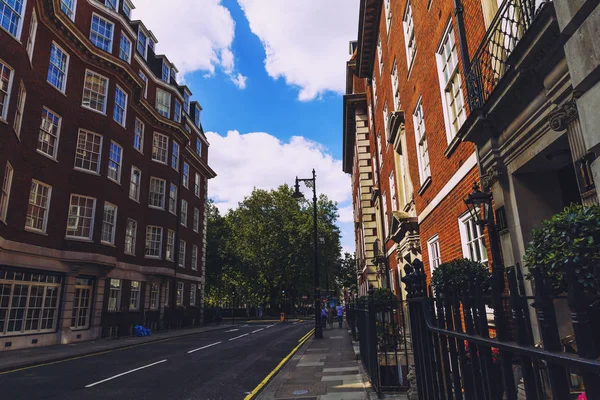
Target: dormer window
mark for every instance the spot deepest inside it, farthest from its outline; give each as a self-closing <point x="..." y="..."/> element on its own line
<point x="142" y="45"/>
<point x="197" y="116"/>
<point x="127" y="9"/>
<point x="165" y="71"/>
<point x="151" y="44"/>
<point x="174" y="74"/>
<point x="186" y="101"/>
<point x="112" y="4"/>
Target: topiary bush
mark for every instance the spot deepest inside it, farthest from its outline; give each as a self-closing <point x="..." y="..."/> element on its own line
<point x="461" y="272"/>
<point x="570" y="239"/>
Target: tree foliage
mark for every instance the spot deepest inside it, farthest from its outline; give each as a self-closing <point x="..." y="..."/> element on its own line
<point x="264" y="248"/>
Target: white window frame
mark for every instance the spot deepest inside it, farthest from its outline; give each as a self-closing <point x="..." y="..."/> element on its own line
<point x="181" y="258"/>
<point x="193" y="295"/>
<point x="126" y="9"/>
<point x="154" y="296"/>
<point x="122" y="108"/>
<point x="386" y="125"/>
<point x="84" y="149"/>
<point x="435" y="256"/>
<point x="116" y="162"/>
<point x="114" y="7"/>
<point x="186" y="101"/>
<point x="197" y="185"/>
<point x="33" y="25"/>
<point x="138" y="135"/>
<point x="79" y="217"/>
<point x="410" y="43"/>
<point x="21" y="98"/>
<point x="163" y="105"/>
<point x="374" y="83"/>
<point x="177" y="111"/>
<point x="466" y="224"/>
<point x="91" y="92"/>
<point x="180" y="289"/>
<point x="145" y="79"/>
<point x="101" y="36"/>
<point x="109" y="223"/>
<point x="160" y="154"/>
<point x="134" y="301"/>
<point x="165" y="71"/>
<point x="173" y="198"/>
<point x="175" y="154"/>
<point x="195" y="257"/>
<point x="199" y="147"/>
<point x="197" y="116"/>
<point x="139" y="42"/>
<point x="81" y="310"/>
<point x="69" y="11"/>
<point x="37" y="206"/>
<point x="65" y="72"/>
<point x="186" y="176"/>
<point x="5" y="193"/>
<point x="395" y="86"/>
<point x="48" y="117"/>
<point x="196" y="224"/>
<point x="130" y="236"/>
<point x="385" y="222"/>
<point x="154" y="181"/>
<point x="114" y="293"/>
<point x="153" y="231"/>
<point x="184" y="212"/>
<point x="380" y="55"/>
<point x="5" y="94"/>
<point x="388" y="15"/>
<point x="453" y="101"/>
<point x="421" y="142"/>
<point x="393" y="191"/>
<point x="125" y="55"/>
<point x="170" y="255"/>
<point x="19" y="25"/>
<point x="135" y="188"/>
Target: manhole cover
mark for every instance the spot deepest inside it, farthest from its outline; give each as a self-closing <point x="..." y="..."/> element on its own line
<point x="299" y="392"/>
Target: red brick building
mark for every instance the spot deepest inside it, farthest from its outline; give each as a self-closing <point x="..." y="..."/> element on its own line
<point x="105" y="166"/>
<point x="413" y="55"/>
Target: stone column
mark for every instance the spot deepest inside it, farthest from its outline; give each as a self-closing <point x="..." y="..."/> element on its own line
<point x="98" y="302"/>
<point x="64" y="322"/>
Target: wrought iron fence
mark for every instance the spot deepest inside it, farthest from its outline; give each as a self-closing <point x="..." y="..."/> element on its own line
<point x="456" y="357"/>
<point x="492" y="59"/>
<point x="385" y="351"/>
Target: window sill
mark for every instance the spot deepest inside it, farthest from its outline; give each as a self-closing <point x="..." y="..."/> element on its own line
<point x="452" y="146"/>
<point x="86" y="171"/>
<point x="122" y="125"/>
<point x="136" y="200"/>
<point x="79" y="329"/>
<point x="129" y="254"/>
<point x="153" y="257"/>
<point x="138" y="150"/>
<point x="3" y="121"/>
<point x="57" y="89"/>
<point x="156" y="207"/>
<point x="46" y="155"/>
<point x="13" y="36"/>
<point x="159" y="162"/>
<point x="94" y="110"/>
<point x="114" y="181"/>
<point x="36" y="231"/>
<point x="424" y="186"/>
<point x="411" y="65"/>
<point x="107" y="244"/>
<point x="18" y="135"/>
<point x="79" y="239"/>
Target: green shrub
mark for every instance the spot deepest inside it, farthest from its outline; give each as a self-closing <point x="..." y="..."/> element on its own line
<point x="459" y="273"/>
<point x="570" y="239"/>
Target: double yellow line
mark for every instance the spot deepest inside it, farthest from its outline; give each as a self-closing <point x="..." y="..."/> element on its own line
<point x="257" y="389"/>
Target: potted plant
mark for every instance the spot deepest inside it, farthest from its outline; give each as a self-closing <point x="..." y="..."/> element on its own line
<point x="570" y="239"/>
<point x="458" y="274"/>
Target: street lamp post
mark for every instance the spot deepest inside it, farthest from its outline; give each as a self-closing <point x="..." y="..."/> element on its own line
<point x="297" y="195"/>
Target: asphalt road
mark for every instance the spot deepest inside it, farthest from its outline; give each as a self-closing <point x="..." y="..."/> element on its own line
<point x="213" y="365"/>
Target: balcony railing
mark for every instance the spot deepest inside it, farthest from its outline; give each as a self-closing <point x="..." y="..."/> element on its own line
<point x="491" y="61"/>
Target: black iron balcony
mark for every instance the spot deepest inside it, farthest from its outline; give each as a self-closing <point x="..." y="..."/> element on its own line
<point x="492" y="59"/>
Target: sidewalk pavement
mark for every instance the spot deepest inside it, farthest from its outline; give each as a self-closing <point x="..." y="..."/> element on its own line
<point x="323" y="369"/>
<point x="22" y="358"/>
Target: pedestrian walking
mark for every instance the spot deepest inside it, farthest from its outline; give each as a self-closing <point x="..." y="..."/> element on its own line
<point x="340" y="314"/>
<point x="330" y="316"/>
<point x="324" y="317"/>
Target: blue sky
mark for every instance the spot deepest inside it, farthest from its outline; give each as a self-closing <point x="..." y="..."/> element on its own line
<point x="270" y="75"/>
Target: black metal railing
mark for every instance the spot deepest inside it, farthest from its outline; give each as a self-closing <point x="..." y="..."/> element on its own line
<point x="458" y="354"/>
<point x="491" y="61"/>
<point x="385" y="348"/>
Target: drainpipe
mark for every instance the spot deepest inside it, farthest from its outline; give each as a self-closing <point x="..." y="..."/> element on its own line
<point x="462" y="36"/>
<point x="176" y="245"/>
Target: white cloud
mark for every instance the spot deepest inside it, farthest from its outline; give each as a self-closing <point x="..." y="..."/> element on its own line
<point x="306" y="41"/>
<point x="197" y="37"/>
<point x="346" y="214"/>
<point x="259" y="160"/>
<point x="239" y="80"/>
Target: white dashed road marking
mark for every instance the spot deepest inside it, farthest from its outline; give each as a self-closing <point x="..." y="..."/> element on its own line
<point x="237" y="337"/>
<point x="205" y="347"/>
<point x="124" y="373"/>
<point x="258" y="330"/>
